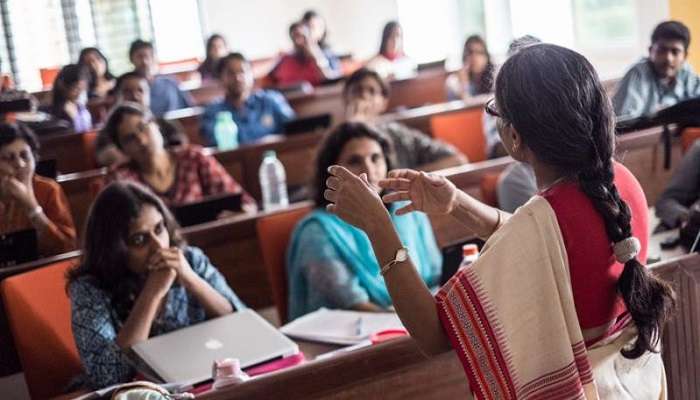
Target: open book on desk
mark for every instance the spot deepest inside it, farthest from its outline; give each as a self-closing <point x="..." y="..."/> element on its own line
<point x="340" y="326"/>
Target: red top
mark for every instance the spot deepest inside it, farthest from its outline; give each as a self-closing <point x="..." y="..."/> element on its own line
<point x="197" y="176"/>
<point x="594" y="271"/>
<point x="291" y="69"/>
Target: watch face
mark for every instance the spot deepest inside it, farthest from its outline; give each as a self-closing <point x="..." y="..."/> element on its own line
<point x="402" y="254"/>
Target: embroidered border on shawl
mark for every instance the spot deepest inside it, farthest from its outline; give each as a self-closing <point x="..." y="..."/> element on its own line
<point x="563" y="384"/>
<point x="477" y="337"/>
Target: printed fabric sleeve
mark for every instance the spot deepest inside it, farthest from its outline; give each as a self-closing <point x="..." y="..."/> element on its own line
<point x="325" y="272"/>
<point x="683" y="189"/>
<point x="95" y="336"/>
<point x="216" y="180"/>
<point x="206" y="270"/>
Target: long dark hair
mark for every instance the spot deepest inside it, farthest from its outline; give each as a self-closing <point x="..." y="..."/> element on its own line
<point x="105" y="251"/>
<point x="386" y="33"/>
<point x="92" y="81"/>
<point x="68" y="76"/>
<point x="332" y="146"/>
<point x="485" y="82"/>
<point x="209" y="64"/>
<point x="553" y="97"/>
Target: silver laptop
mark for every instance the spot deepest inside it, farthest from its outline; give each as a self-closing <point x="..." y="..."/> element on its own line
<point x="186" y="355"/>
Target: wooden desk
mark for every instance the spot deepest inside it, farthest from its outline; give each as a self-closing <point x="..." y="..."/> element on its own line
<point x="392" y="370"/>
<point x="73" y="152"/>
<point x="428" y="87"/>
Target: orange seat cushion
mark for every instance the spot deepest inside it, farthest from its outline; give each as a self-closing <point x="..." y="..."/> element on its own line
<point x="464" y="130"/>
<point x="274" y="233"/>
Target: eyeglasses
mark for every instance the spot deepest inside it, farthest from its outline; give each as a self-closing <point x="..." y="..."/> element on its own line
<point x="490" y="108"/>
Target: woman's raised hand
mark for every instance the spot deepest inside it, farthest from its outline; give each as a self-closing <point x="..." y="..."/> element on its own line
<point x="429" y="193"/>
<point x="354" y="200"/>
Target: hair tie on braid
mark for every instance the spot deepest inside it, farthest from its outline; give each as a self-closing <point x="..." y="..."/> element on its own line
<point x="626" y="249"/>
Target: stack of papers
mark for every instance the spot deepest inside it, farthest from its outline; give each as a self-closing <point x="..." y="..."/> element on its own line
<point x="340" y="326"/>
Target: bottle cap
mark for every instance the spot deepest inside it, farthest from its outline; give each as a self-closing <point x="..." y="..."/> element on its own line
<point x="269" y="153"/>
<point x="470" y="249"/>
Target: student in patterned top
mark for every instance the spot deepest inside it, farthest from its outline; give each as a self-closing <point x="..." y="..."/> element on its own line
<point x="366" y="96"/>
<point x="137" y="279"/>
<point x="177" y="175"/>
<point x="29" y="201"/>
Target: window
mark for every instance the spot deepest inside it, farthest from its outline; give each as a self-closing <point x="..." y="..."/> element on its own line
<point x="437" y="31"/>
<point x="39" y="39"/>
<point x="177" y="34"/>
<point x="116" y="24"/>
<point x="605" y="23"/>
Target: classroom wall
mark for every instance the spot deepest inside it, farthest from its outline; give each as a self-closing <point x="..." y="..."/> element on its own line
<point x="688" y="12"/>
<point x="259" y="28"/>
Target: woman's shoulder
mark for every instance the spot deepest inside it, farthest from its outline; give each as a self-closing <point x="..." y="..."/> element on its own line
<point x="85" y="289"/>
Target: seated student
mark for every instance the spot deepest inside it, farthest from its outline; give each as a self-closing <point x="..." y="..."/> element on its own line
<point x="69" y="97"/>
<point x="476" y="75"/>
<point x="255" y="112"/>
<point x="137" y="279"/>
<point x="330" y="263"/>
<point x="178" y="175"/>
<point x="366" y="96"/>
<point x="28" y="200"/>
<point x="101" y="80"/>
<point x="132" y="87"/>
<point x="165" y="92"/>
<point x="682" y="192"/>
<point x="318" y="32"/>
<point x="392" y="62"/>
<point x="306" y="63"/>
<point x="660" y="80"/>
<point x="216" y="49"/>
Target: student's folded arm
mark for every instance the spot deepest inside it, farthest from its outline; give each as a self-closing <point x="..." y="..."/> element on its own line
<point x="629" y="98"/>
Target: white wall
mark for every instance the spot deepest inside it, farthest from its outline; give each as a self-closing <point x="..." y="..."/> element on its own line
<point x="259" y="28"/>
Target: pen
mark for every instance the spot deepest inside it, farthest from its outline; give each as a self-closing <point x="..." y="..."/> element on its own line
<point x="364" y="343"/>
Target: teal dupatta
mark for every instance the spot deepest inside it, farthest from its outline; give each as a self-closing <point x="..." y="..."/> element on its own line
<point x="355" y="251"/>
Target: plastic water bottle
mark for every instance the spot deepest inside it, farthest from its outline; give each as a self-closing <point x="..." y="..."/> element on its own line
<point x="225" y="131"/>
<point x="470" y="253"/>
<point x="273" y="182"/>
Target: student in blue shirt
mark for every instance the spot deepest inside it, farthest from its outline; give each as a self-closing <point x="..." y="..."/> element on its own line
<point x="662" y="79"/>
<point x="257" y="113"/>
<point x="165" y="92"/>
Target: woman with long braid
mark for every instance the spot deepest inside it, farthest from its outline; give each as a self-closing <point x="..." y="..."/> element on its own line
<point x="559" y="304"/>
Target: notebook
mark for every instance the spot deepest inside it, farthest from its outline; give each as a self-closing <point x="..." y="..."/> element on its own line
<point x="18" y="247"/>
<point x="307" y="124"/>
<point x="340" y="326"/>
<point x="207" y="209"/>
<point x="186" y="355"/>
